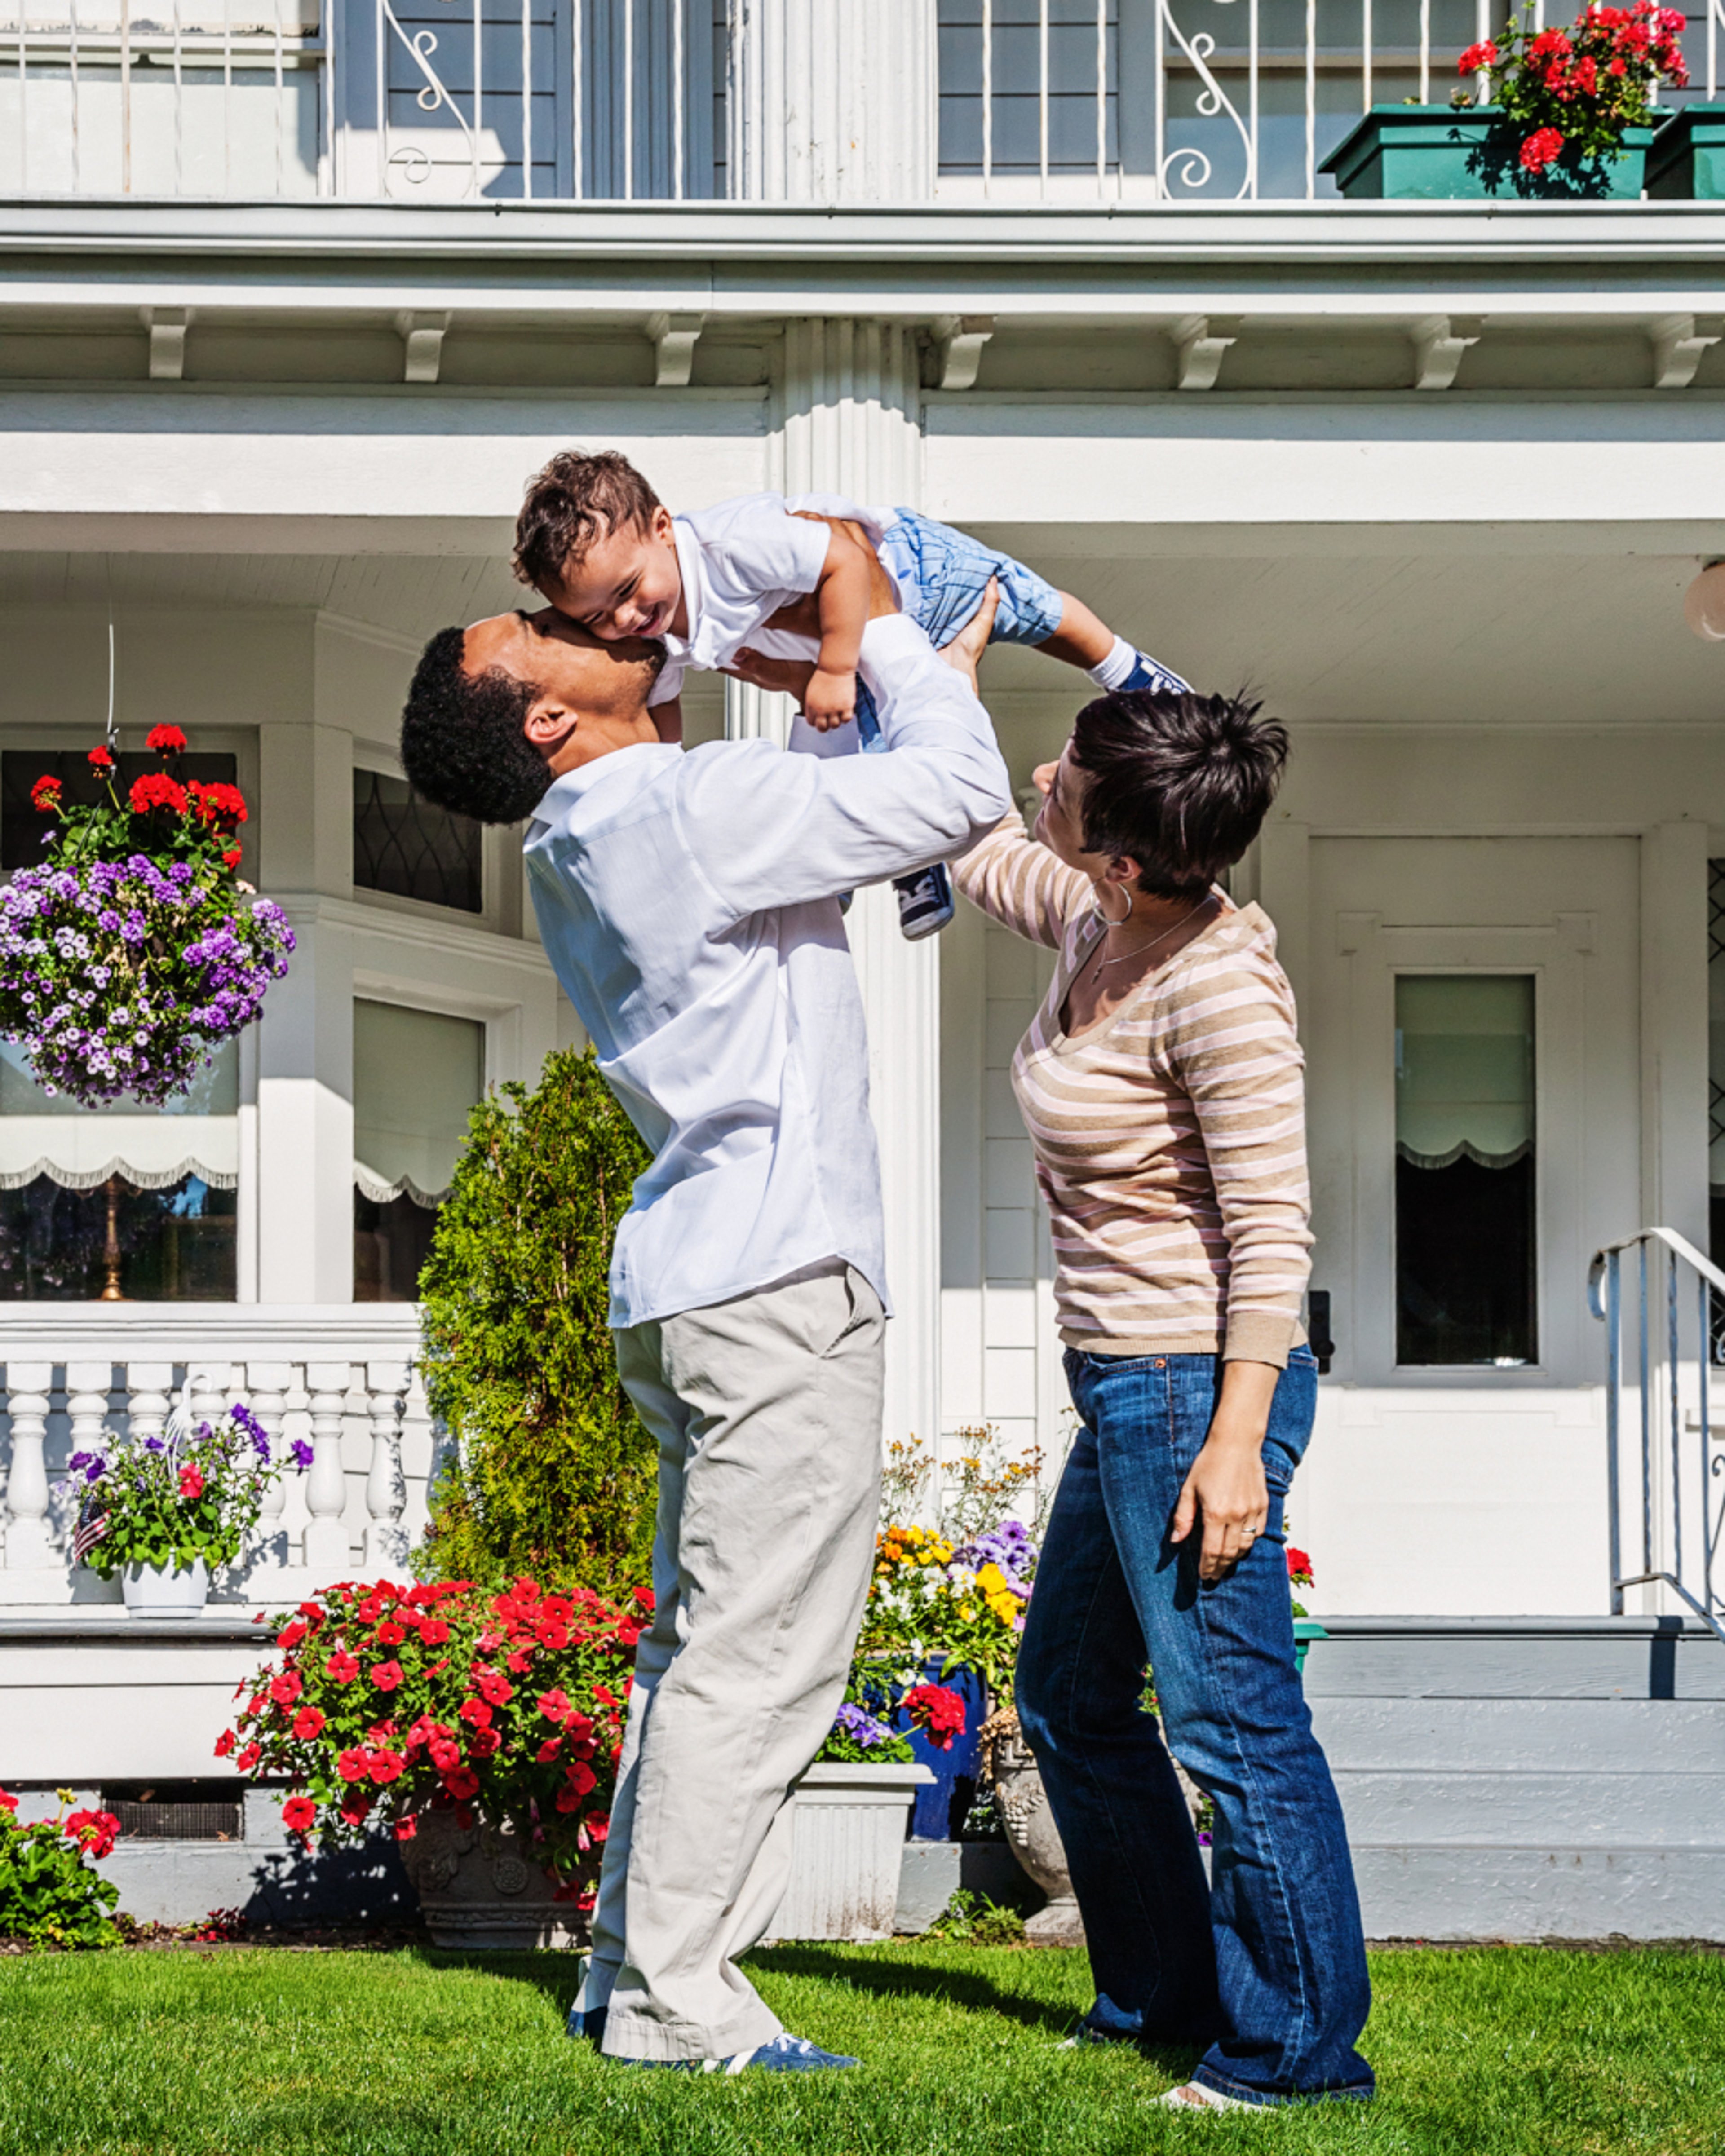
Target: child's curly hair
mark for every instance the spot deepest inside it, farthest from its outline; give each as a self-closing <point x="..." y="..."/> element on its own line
<point x="575" y="501"/>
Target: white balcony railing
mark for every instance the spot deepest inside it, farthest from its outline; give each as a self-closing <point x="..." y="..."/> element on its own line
<point x="341" y="1378"/>
<point x="491" y="100"/>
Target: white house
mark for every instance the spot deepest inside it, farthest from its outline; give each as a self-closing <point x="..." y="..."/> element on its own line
<point x="295" y="294"/>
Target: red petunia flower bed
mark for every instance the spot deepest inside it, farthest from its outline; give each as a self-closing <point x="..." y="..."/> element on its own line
<point x="388" y="1700"/>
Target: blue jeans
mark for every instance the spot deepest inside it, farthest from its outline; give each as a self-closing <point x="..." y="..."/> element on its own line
<point x="1267" y="1965"/>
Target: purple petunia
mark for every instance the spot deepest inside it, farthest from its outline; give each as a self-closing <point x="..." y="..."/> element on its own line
<point x="91" y="1466"/>
<point x="861" y="1727"/>
<point x="245" y="1419"/>
<point x="302" y="1454"/>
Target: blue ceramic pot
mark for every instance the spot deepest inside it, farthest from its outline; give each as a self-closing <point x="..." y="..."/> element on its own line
<point x="942" y="1807"/>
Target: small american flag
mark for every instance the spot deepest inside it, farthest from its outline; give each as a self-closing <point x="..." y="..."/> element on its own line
<point x="92" y="1525"/>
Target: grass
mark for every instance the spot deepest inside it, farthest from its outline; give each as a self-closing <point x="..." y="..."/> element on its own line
<point x="1484" y="2052"/>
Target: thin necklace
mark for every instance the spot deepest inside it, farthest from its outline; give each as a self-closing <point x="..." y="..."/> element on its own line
<point x="1139" y="950"/>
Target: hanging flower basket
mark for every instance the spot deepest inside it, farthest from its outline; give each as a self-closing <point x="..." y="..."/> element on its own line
<point x="134" y="948"/>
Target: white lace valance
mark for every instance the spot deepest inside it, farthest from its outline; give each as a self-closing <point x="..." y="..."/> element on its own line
<point x="80" y="1153"/>
<point x="1464" y="1068"/>
<point x="382" y="1192"/>
<point x="1464" y="1149"/>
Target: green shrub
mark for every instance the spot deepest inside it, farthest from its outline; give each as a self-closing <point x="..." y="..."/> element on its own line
<point x="555" y="1474"/>
<point x="49" y="1895"/>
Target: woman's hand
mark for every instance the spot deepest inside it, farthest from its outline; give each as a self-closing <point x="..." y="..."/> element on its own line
<point x="965" y="651"/>
<point x="1226" y="1488"/>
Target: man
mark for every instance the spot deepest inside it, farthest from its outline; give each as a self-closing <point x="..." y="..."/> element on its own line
<point x="689" y="904"/>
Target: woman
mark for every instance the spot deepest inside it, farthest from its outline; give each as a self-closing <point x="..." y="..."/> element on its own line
<point x="1160" y="1083"/>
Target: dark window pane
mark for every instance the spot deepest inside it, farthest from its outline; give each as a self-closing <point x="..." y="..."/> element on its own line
<point x="21" y="830"/>
<point x="172" y="1245"/>
<point x="1466" y="1185"/>
<point x="391" y="1244"/>
<point x="402" y="844"/>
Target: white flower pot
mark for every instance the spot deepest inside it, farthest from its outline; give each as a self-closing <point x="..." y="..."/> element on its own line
<point x="152" y="1592"/>
<point x="848" y="1825"/>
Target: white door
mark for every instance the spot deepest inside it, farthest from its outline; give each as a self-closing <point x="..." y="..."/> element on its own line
<point x="1471" y="1022"/>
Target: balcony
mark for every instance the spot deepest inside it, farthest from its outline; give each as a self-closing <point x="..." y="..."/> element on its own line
<point x="495" y="101"/>
<point x="341" y="1378"/>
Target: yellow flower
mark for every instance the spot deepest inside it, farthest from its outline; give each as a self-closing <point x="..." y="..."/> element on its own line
<point x="1005" y="1608"/>
<point x="992" y="1580"/>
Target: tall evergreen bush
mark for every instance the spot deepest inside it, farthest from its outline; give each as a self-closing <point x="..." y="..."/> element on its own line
<point x="556" y="1474"/>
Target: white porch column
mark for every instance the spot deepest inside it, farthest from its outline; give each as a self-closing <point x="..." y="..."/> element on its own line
<point x="1674" y="1029"/>
<point x="847" y="408"/>
<point x="832" y="100"/>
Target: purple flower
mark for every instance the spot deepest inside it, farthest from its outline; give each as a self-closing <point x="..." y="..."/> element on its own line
<point x="302" y="1454"/>
<point x="155" y="1445"/>
<point x="90" y="1466"/>
<point x="861" y="1727"/>
<point x="245" y="1419"/>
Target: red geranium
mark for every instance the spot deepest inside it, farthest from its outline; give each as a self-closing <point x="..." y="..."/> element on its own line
<point x="1544" y="147"/>
<point x="1575" y="93"/>
<point x="94" y="1832"/>
<point x="223" y="807"/>
<point x="99" y="759"/>
<point x="45" y="795"/>
<point x="1299" y="1567"/>
<point x="165" y="741"/>
<point x="937" y="1709"/>
<point x="192" y="1482"/>
<point x="8" y="1803"/>
<point x="156" y="790"/>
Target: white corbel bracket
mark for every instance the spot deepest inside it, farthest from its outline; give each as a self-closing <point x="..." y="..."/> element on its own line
<point x="1199" y="341"/>
<point x="1439" y="341"/>
<point x="958" y="342"/>
<point x="1678" y="346"/>
<point x="167" y="327"/>
<point x="675" y="337"/>
<point x="422" y="337"/>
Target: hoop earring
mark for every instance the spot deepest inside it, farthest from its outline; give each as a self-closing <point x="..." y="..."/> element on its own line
<point x="1105" y="913"/>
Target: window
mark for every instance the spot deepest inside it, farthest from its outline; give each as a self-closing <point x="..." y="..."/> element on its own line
<point x="21" y="828"/>
<point x="1464" y="1181"/>
<point x="416" y="1076"/>
<point x="403" y="845"/>
<point x="122" y="1202"/>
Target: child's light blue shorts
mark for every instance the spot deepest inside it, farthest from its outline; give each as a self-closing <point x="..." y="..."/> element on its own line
<point x="942" y="575"/>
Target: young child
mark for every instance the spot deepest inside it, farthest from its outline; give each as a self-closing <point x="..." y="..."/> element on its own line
<point x="777" y="574"/>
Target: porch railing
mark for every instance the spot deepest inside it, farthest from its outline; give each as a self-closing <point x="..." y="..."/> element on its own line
<point x="484" y="100"/>
<point x="341" y="1378"/>
<point x="1660" y="1301"/>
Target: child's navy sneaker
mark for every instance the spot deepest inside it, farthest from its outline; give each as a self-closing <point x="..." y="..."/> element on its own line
<point x="1148" y="674"/>
<point x="925" y="902"/>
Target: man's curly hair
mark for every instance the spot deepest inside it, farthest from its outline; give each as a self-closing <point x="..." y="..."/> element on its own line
<point x="462" y="746"/>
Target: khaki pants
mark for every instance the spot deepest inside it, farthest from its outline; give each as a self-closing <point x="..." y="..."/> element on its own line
<point x="767" y="1410"/>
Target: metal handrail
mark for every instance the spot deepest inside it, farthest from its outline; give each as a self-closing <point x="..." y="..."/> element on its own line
<point x="1659" y="1363"/>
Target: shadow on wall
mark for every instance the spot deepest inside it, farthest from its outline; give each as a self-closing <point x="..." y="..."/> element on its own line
<point x="363" y="1886"/>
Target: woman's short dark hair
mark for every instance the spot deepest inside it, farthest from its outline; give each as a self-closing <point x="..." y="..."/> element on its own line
<point x="1178" y="783"/>
<point x="462" y="744"/>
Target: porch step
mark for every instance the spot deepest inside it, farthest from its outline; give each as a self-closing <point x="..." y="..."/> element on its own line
<point x="1518" y="1777"/>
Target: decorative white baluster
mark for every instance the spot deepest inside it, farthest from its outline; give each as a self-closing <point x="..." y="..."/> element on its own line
<point x="267" y="1384"/>
<point x="151" y="1383"/>
<point x="30" y="1545"/>
<point x="87" y="1388"/>
<point x="386" y="1485"/>
<point x="210" y="1391"/>
<point x="328" y="1550"/>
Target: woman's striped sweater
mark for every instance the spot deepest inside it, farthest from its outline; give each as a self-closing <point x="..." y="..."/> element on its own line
<point x="1169" y="1140"/>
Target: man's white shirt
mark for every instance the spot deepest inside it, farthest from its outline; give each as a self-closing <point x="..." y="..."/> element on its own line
<point x="689" y="905"/>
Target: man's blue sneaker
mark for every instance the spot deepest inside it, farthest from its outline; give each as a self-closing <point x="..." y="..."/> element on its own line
<point x="587" y="2022"/>
<point x="784" y="2055"/>
<point x="1148" y="674"/>
<point x="925" y="902"/>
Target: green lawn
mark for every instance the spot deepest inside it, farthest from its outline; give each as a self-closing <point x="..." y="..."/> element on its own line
<point x="1490" y="2052"/>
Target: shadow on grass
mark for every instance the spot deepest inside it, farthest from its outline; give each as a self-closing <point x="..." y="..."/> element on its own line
<point x="981" y="1992"/>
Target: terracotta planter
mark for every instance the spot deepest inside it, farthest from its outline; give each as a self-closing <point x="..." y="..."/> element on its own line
<point x="478" y="1887"/>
